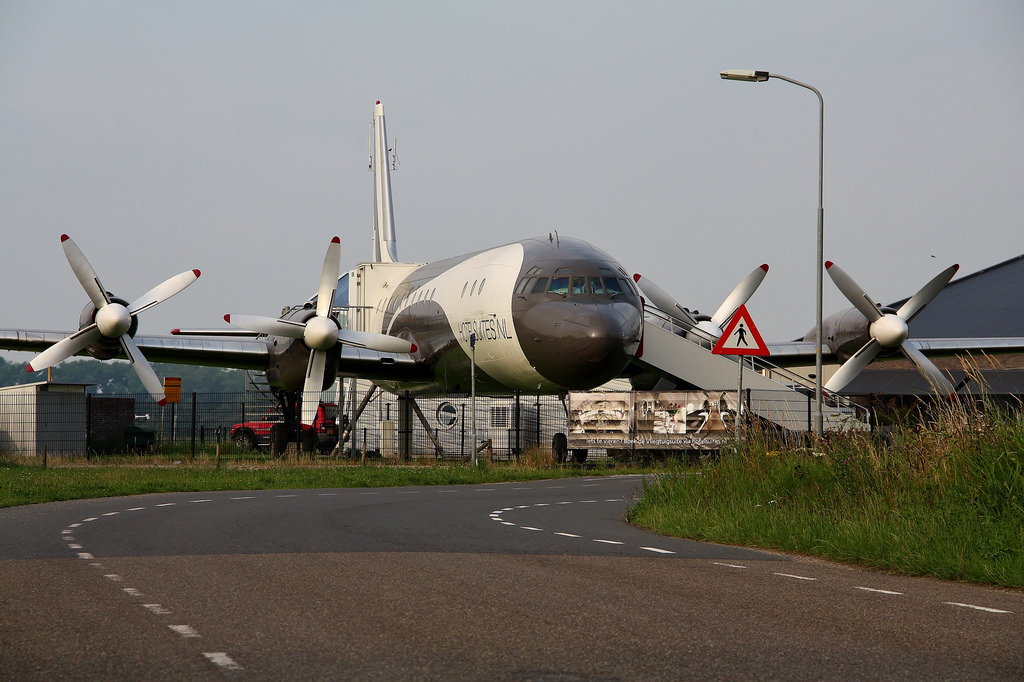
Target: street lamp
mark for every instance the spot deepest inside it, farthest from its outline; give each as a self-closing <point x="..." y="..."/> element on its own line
<point x="759" y="77"/>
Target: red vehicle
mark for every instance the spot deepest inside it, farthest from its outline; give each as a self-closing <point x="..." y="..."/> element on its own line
<point x="257" y="435"/>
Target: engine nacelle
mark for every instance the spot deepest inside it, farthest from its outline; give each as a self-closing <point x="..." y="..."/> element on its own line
<point x="104" y="348"/>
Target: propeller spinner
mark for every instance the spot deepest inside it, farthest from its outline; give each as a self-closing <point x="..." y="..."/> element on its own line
<point x="888" y="330"/>
<point x="113" y="319"/>
<point x="321" y="333"/>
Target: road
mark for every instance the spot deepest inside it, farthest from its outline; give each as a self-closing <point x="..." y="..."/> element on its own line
<point x="518" y="581"/>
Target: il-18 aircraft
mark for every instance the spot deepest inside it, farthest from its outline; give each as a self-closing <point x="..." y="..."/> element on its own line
<point x="547" y="314"/>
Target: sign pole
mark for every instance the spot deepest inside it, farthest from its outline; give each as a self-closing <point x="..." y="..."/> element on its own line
<point x="472" y="384"/>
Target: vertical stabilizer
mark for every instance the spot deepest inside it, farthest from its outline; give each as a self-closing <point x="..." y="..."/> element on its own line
<point x="385" y="248"/>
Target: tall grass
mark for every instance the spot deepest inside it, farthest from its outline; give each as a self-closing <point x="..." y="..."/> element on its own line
<point x="942" y="497"/>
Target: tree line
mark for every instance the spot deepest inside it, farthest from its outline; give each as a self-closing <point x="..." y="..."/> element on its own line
<point x="117" y="376"/>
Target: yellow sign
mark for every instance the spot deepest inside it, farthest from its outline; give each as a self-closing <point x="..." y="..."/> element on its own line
<point x="172" y="389"/>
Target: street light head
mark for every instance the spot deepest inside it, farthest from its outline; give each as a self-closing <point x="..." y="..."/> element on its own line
<point x="742" y="75"/>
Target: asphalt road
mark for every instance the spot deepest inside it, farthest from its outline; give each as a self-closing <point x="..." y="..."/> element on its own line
<point x="530" y="581"/>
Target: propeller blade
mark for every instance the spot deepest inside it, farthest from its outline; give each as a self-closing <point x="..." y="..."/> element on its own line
<point x="84" y="272"/>
<point x="268" y="325"/>
<point x="164" y="291"/>
<point x="65" y="348"/>
<point x="143" y="369"/>
<point x="329" y="278"/>
<point x="313" y="386"/>
<point x="663" y="301"/>
<point x="852" y="367"/>
<point x="857" y="296"/>
<point x="935" y="377"/>
<point x="377" y="342"/>
<point x="739" y="296"/>
<point x="909" y="310"/>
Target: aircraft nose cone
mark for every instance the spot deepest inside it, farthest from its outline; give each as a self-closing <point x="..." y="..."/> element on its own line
<point x="580" y="345"/>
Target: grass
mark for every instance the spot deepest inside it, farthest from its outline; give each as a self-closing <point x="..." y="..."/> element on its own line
<point x="24" y="480"/>
<point x="943" y="498"/>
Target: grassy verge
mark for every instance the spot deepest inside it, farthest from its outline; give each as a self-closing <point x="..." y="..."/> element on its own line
<point x="27" y="481"/>
<point x="945" y="499"/>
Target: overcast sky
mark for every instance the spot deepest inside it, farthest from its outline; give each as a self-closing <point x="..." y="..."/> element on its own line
<point x="233" y="137"/>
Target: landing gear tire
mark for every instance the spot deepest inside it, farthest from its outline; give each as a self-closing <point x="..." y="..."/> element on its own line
<point x="579" y="456"/>
<point x="278" y="440"/>
<point x="559" y="447"/>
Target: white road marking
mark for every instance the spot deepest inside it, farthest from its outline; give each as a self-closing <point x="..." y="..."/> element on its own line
<point x="222" y="660"/>
<point x="447" y="491"/>
<point x="658" y="550"/>
<point x="167" y="504"/>
<point x="563" y="502"/>
<point x="85" y="555"/>
<point x="132" y="592"/>
<point x="157" y="609"/>
<point x="483" y="490"/>
<point x="530" y="528"/>
<point x="66" y="531"/>
<point x="91" y="518"/>
<point x="135" y="509"/>
<point x="872" y="589"/>
<point x="978" y="608"/>
<point x="568" y="535"/>
<point x="369" y="493"/>
<point x="112" y="513"/>
<point x="285" y="495"/>
<point x="74" y="546"/>
<point x="327" y="494"/>
<point x="797" y="577"/>
<point x="507" y="523"/>
<point x="247" y="497"/>
<point x="115" y="577"/>
<point x="587" y="501"/>
<point x="184" y="630"/>
<point x="198" y="501"/>
<point x="728" y="565"/>
<point x="74" y="525"/>
<point x="608" y="542"/>
<point x="542" y="504"/>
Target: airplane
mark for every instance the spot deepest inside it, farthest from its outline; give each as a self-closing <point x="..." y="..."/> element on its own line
<point x="547" y="314"/>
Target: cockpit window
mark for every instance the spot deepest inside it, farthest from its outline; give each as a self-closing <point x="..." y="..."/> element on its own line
<point x="559" y="285"/>
<point x="612" y="286"/>
<point x="596" y="286"/>
<point x="541" y="285"/>
<point x="579" y="286"/>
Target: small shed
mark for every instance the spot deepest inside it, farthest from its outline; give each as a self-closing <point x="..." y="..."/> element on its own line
<point x="43" y="414"/>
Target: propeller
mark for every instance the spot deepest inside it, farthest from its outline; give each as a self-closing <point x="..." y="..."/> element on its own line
<point x="321" y="332"/>
<point x="888" y="330"/>
<point x="709" y="326"/>
<point x="113" y="319"/>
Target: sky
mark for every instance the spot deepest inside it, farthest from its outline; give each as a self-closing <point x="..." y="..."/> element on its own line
<point x="233" y="137"/>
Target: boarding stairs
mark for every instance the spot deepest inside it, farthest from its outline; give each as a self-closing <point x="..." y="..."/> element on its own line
<point x="784" y="398"/>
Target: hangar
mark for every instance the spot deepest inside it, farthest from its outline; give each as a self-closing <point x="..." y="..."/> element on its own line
<point x="987" y="303"/>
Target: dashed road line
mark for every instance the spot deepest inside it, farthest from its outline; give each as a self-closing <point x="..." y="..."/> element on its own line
<point x="608" y="542"/>
<point x="658" y="550"/>
<point x="796" y="577"/>
<point x="875" y="589"/>
<point x="976" y="607"/>
<point x="185" y="631"/>
<point x="222" y="660"/>
<point x="718" y="563"/>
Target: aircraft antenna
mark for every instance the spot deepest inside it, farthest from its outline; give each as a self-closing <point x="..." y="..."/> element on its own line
<point x="369" y="165"/>
<point x="394" y="154"/>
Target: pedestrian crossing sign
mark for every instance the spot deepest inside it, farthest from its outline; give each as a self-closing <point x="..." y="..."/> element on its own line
<point x="740" y="336"/>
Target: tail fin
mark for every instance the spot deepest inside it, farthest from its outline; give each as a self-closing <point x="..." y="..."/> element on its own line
<point x="385" y="247"/>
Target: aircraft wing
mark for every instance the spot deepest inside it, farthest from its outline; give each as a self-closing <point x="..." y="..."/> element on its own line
<point x="236" y="353"/>
<point x="800" y="353"/>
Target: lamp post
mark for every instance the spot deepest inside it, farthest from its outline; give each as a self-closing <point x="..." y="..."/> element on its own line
<point x="759" y="77"/>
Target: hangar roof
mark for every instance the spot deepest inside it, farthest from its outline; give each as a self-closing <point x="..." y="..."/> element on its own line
<point x="989" y="302"/>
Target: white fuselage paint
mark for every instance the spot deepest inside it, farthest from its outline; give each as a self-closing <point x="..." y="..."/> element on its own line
<point x="476" y="297"/>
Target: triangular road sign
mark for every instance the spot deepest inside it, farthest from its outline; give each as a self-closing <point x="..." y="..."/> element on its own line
<point x="740" y="336"/>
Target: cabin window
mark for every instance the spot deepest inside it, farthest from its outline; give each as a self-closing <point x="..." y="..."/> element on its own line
<point x="481" y="289"/>
<point x="472" y="289"/>
<point x="464" y="289"/>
